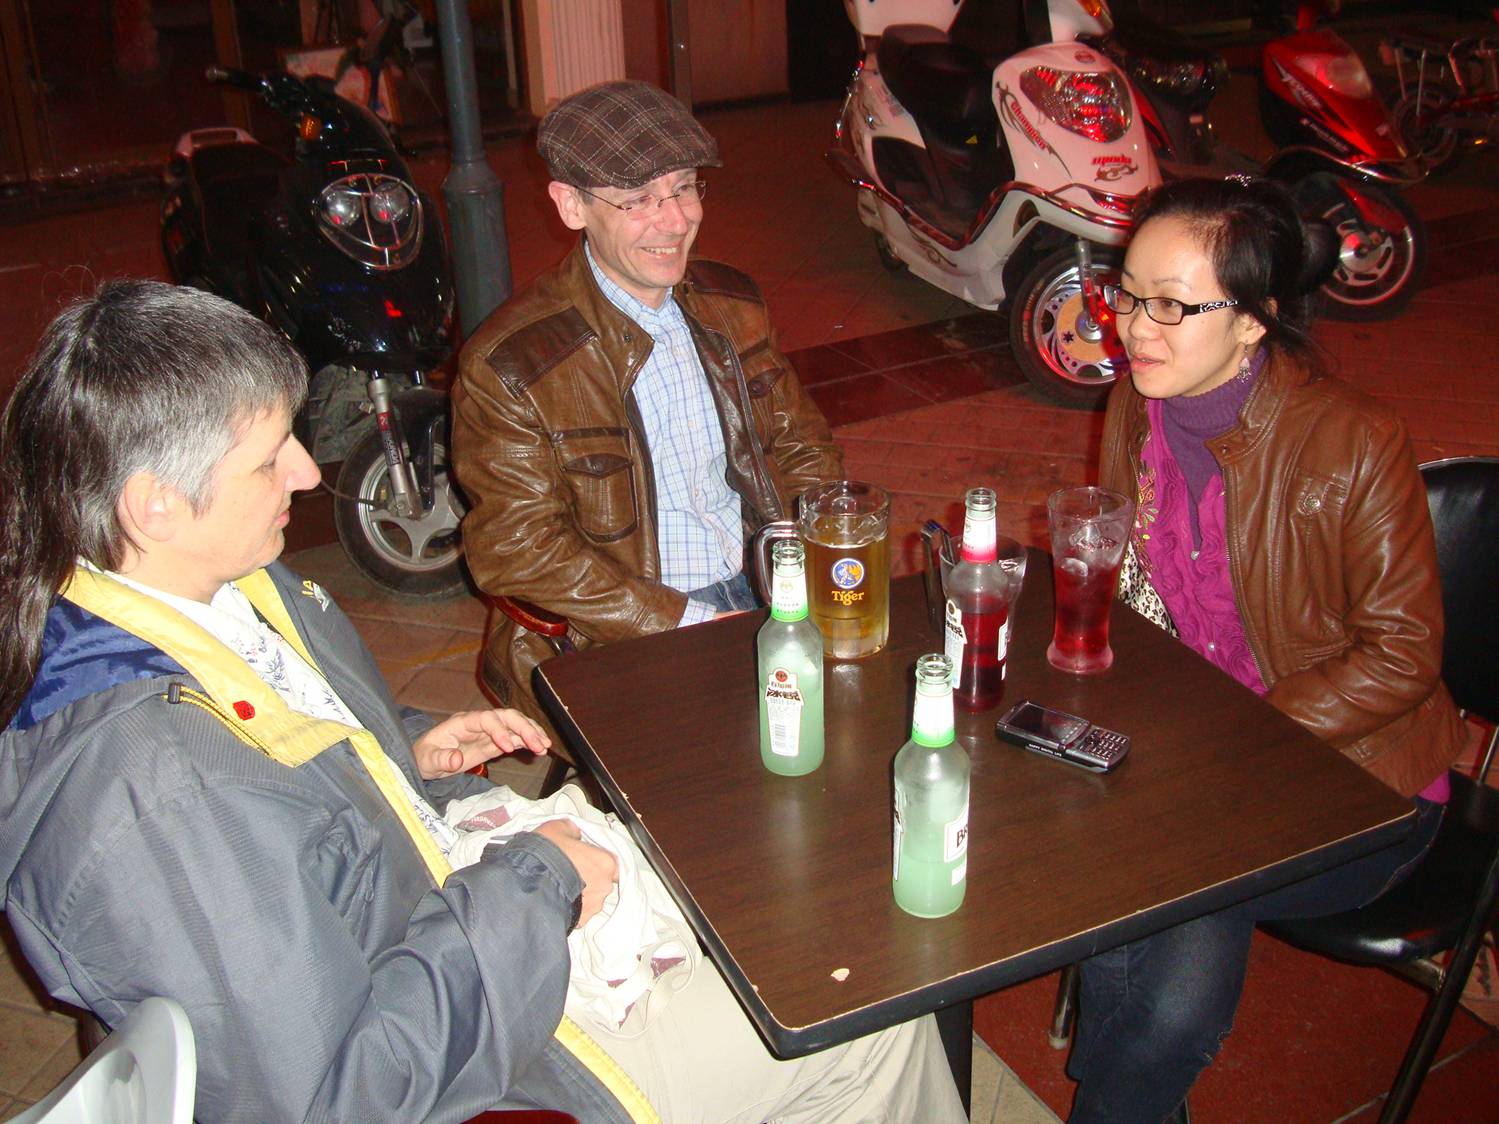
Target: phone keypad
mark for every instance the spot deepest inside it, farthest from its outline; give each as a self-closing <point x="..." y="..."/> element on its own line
<point x="1102" y="746"/>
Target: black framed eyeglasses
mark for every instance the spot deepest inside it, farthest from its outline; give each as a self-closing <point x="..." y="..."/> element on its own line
<point x="1163" y="310"/>
<point x="690" y="192"/>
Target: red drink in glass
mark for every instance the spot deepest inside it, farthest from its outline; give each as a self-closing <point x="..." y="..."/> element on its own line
<point x="981" y="675"/>
<point x="1080" y="642"/>
<point x="1089" y="529"/>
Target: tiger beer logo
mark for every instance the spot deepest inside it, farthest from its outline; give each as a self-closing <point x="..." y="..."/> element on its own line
<point x="848" y="575"/>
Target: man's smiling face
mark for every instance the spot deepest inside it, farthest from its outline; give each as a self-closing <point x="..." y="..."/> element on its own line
<point x="643" y="250"/>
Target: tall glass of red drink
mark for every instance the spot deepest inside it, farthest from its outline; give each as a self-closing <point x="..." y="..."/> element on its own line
<point x="1089" y="529"/>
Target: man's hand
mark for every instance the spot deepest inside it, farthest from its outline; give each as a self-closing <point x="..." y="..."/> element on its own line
<point x="465" y="739"/>
<point x="596" y="866"/>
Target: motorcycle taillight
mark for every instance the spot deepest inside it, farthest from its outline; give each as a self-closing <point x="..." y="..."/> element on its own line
<point x="1092" y="104"/>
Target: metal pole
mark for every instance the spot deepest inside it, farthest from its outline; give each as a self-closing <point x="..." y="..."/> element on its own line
<point x="475" y="195"/>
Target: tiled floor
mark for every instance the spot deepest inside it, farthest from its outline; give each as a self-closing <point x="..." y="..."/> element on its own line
<point x="927" y="400"/>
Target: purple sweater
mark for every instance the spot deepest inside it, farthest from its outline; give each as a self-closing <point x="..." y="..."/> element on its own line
<point x="1189" y="423"/>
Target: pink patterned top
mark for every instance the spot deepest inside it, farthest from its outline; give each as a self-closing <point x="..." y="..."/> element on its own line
<point x="1195" y="584"/>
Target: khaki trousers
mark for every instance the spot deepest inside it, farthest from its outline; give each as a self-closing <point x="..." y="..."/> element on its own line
<point x="701" y="1059"/>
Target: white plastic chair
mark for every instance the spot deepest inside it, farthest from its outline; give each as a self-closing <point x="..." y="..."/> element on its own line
<point x="146" y="1072"/>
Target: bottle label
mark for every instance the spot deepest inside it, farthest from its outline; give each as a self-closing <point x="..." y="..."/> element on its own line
<point x="932" y="719"/>
<point x="980" y="541"/>
<point x="788" y="596"/>
<point x="783" y="710"/>
<point x="1003" y="646"/>
<point x="955" y="839"/>
<point x="900" y="830"/>
<point x="954" y="639"/>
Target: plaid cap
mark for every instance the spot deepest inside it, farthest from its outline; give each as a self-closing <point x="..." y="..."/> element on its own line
<point x="622" y="134"/>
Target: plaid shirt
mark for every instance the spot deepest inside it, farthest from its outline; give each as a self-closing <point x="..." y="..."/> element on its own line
<point x="698" y="516"/>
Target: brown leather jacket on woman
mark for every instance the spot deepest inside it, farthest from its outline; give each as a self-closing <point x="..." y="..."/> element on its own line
<point x="548" y="447"/>
<point x="1333" y="563"/>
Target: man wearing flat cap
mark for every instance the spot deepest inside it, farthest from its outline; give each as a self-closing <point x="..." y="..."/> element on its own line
<point x="624" y="424"/>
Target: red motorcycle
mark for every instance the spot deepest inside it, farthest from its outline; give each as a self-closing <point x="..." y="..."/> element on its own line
<point x="1449" y="92"/>
<point x="1338" y="149"/>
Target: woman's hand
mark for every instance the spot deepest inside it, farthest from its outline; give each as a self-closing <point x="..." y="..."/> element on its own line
<point x="470" y="737"/>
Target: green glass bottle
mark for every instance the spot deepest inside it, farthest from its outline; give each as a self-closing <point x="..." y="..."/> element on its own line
<point x="789" y="649"/>
<point x="931" y="801"/>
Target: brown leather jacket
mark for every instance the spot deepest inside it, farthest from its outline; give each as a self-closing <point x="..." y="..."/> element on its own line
<point x="548" y="449"/>
<point x="1333" y="563"/>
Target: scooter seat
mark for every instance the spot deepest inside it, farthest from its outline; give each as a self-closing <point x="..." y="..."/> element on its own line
<point x="944" y="85"/>
<point x="234" y="182"/>
<point x="218" y="162"/>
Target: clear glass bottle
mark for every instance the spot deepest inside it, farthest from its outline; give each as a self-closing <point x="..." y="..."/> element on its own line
<point x="789" y="650"/>
<point x="978" y="609"/>
<point x="930" y="872"/>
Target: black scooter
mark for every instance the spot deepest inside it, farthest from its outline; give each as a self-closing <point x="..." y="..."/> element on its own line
<point x="339" y="251"/>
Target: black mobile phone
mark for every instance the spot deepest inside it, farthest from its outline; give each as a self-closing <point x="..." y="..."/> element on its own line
<point x="1064" y="736"/>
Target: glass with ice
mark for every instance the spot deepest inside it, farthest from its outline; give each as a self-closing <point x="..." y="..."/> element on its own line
<point x="1089" y="529"/>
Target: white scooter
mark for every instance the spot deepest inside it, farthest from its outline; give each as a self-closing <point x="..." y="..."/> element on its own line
<point x="996" y="171"/>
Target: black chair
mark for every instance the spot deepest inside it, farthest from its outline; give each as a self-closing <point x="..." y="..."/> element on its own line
<point x="1448" y="902"/>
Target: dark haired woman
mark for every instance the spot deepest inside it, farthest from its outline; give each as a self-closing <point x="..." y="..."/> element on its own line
<point x="1282" y="533"/>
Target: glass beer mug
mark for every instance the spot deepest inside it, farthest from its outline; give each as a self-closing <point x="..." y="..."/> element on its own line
<point x="845" y="526"/>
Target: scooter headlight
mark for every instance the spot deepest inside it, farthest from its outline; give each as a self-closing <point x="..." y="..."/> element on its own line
<point x="1093" y="104"/>
<point x="342" y="206"/>
<point x="1346" y="75"/>
<point x="390" y="203"/>
<point x="1183" y="78"/>
<point x="375" y="219"/>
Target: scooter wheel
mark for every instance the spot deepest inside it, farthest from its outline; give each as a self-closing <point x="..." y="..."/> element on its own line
<point x="1378" y="269"/>
<point x="1066" y="355"/>
<point x="411" y="557"/>
<point x="1437" y="144"/>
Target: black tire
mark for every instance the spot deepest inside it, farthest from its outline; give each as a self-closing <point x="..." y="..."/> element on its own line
<point x="1067" y="360"/>
<point x="1378" y="270"/>
<point x="1436" y="144"/>
<point x="418" y="558"/>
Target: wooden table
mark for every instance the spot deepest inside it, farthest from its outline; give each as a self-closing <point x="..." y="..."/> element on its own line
<point x="787" y="880"/>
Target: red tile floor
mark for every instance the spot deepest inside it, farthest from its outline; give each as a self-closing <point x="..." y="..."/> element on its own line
<point x="927" y="400"/>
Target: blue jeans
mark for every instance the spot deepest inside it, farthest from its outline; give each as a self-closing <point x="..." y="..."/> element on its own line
<point x="727" y="595"/>
<point x="1152" y="1013"/>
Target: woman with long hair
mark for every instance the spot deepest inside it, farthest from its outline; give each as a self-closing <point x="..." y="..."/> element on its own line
<point x="1281" y="532"/>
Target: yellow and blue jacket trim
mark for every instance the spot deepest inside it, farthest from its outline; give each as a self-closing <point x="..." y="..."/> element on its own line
<point x="175" y="643"/>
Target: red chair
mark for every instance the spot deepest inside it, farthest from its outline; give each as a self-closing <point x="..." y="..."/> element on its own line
<point x="552" y="628"/>
<point x="533" y="618"/>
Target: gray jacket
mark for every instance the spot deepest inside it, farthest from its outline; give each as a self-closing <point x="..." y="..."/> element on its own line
<point x="146" y="849"/>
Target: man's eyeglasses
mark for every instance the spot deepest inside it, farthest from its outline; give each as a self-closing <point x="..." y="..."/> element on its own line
<point x="645" y="203"/>
<point x="1163" y="310"/>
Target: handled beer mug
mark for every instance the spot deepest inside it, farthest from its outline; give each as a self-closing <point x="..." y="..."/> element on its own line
<point x="845" y="525"/>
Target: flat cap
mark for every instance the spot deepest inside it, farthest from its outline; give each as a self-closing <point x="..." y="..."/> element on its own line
<point x="622" y="134"/>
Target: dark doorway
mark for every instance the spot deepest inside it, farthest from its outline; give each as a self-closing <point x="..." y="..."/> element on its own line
<point x="822" y="48"/>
